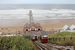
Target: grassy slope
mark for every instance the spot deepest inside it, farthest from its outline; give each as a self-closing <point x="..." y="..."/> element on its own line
<point x="62" y="35"/>
<point x="16" y="43"/>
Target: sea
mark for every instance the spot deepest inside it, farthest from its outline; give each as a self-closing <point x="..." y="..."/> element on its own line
<point x="39" y="11"/>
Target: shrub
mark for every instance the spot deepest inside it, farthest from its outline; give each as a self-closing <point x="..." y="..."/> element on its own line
<point x="16" y="43"/>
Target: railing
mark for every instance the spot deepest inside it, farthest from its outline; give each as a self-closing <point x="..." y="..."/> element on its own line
<point x="55" y="39"/>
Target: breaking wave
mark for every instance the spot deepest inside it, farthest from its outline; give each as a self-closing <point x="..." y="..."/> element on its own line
<point x="37" y="14"/>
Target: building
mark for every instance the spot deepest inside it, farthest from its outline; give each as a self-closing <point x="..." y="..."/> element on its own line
<point x="32" y="26"/>
<point x="67" y="28"/>
<point x="72" y="27"/>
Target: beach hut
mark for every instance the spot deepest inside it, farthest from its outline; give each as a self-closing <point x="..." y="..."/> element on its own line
<point x="69" y="29"/>
<point x="66" y="28"/>
<point x="72" y="27"/>
<point x="0" y="33"/>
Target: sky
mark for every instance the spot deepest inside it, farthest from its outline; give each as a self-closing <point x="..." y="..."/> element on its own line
<point x="37" y="1"/>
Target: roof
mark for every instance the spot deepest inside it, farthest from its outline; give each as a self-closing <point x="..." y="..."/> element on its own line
<point x="66" y="27"/>
<point x="29" y="25"/>
<point x="33" y="24"/>
<point x="72" y="27"/>
<point x="38" y="24"/>
<point x="43" y="33"/>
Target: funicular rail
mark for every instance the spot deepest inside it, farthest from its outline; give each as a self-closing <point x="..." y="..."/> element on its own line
<point x="46" y="46"/>
<point x="40" y="46"/>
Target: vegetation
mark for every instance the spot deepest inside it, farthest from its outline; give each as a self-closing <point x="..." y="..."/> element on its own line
<point x="62" y="34"/>
<point x="16" y="43"/>
<point x="62" y="41"/>
<point x="39" y="38"/>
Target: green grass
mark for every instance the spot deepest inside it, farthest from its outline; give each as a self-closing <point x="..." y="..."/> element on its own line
<point x="16" y="43"/>
<point x="39" y="38"/>
<point x="62" y="35"/>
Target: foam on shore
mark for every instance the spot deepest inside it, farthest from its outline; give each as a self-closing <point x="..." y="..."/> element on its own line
<point x="37" y="14"/>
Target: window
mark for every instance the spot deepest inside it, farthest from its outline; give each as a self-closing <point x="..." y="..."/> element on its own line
<point x="32" y="29"/>
<point x="45" y="37"/>
<point x="33" y="37"/>
<point x="38" y="29"/>
<point x="26" y="29"/>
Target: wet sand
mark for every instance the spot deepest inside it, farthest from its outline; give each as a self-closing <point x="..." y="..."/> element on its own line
<point x="13" y="23"/>
<point x="13" y="26"/>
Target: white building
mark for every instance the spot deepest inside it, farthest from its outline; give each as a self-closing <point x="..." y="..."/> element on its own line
<point x="0" y="33"/>
<point x="67" y="28"/>
<point x="72" y="27"/>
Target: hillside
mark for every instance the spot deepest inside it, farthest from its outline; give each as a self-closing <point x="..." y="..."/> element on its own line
<point x="62" y="38"/>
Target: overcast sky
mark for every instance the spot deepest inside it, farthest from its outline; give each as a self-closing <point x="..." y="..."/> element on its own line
<point x="37" y="1"/>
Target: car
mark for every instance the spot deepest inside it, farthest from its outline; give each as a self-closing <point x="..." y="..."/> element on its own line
<point x="44" y="37"/>
<point x="34" y="38"/>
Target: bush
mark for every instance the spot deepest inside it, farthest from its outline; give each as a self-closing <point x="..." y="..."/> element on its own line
<point x="16" y="43"/>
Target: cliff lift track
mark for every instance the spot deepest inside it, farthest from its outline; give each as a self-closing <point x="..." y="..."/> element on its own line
<point x="40" y="46"/>
<point x="46" y="46"/>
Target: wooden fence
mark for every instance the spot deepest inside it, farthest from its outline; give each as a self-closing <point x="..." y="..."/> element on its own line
<point x="55" y="39"/>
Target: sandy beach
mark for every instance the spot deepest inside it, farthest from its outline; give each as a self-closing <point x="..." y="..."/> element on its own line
<point x="12" y="26"/>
